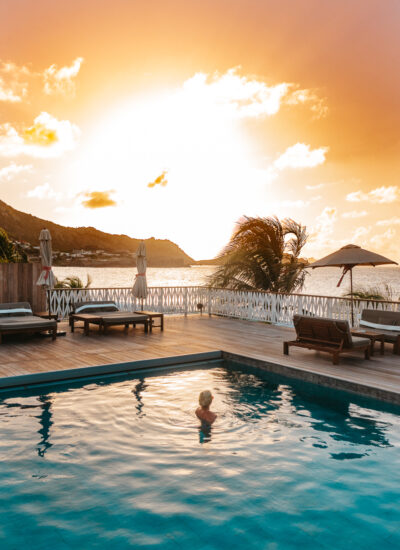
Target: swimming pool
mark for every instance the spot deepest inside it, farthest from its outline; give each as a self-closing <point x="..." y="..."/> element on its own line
<point x="121" y="462"/>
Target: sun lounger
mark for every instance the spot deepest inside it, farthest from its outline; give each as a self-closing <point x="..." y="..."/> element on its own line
<point x="17" y="318"/>
<point x="104" y="314"/>
<point x="384" y="322"/>
<point x="329" y="335"/>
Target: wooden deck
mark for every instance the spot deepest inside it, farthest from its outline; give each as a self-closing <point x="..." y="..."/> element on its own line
<point x="193" y="334"/>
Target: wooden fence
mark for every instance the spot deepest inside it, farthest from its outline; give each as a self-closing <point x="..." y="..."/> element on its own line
<point x="18" y="284"/>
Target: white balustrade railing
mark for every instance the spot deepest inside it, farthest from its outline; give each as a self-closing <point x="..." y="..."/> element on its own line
<point x="252" y="306"/>
<point x="180" y="299"/>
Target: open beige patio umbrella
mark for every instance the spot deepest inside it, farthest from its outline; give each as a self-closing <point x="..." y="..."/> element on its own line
<point x="46" y="277"/>
<point x="140" y="285"/>
<point x="348" y="257"/>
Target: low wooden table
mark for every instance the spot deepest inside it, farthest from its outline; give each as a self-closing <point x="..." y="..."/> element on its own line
<point x="153" y="315"/>
<point x="85" y="317"/>
<point x="373" y="335"/>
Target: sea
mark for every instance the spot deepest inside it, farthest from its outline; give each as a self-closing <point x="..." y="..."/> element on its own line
<point x="321" y="282"/>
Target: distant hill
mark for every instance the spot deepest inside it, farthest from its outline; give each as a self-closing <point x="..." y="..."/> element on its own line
<point x="24" y="227"/>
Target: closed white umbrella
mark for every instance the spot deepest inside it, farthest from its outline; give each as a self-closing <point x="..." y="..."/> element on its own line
<point x="46" y="277"/>
<point x="140" y="285"/>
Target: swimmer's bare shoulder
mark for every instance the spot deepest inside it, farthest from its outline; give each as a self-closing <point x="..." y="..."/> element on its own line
<point x="205" y="415"/>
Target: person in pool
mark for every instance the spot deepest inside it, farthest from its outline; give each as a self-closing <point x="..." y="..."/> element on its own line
<point x="203" y="412"/>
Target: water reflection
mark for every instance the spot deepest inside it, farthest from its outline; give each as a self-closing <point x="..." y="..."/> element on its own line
<point x="253" y="397"/>
<point x="205" y="431"/>
<point x="46" y="422"/>
<point x="140" y="388"/>
<point x="44" y="403"/>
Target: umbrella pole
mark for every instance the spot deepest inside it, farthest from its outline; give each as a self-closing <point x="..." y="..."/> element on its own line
<point x="351" y="295"/>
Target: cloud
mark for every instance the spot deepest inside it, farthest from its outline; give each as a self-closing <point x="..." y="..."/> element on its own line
<point x="46" y="138"/>
<point x="44" y="191"/>
<point x="9" y="172"/>
<point x="161" y="180"/>
<point x="248" y="97"/>
<point x="241" y="95"/>
<point x="384" y="239"/>
<point x="391" y="221"/>
<point x="294" y="204"/>
<point x="98" y="199"/>
<point x="301" y="156"/>
<point x="317" y="104"/>
<point x="315" y="187"/>
<point x="13" y="82"/>
<point x="355" y="214"/>
<point x="61" y="81"/>
<point x="326" y="220"/>
<point x="360" y="233"/>
<point x="379" y="195"/>
<point x="8" y="93"/>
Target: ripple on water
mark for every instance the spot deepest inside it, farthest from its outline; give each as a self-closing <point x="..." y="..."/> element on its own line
<point x="124" y="462"/>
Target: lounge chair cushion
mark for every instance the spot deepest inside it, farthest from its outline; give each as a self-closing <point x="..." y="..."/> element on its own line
<point x="94" y="307"/>
<point x="28" y="322"/>
<point x="120" y="317"/>
<point x="15" y="309"/>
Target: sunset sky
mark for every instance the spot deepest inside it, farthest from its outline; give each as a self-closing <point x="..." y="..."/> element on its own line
<point x="173" y="119"/>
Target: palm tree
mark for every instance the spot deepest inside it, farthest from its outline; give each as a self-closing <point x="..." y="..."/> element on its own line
<point x="384" y="292"/>
<point x="73" y="282"/>
<point x="263" y="254"/>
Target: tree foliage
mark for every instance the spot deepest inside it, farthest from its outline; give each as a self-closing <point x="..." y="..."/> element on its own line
<point x="9" y="252"/>
<point x="382" y="292"/>
<point x="73" y="282"/>
<point x="263" y="254"/>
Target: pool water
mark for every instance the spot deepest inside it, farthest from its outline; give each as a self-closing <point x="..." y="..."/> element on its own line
<point x="118" y="463"/>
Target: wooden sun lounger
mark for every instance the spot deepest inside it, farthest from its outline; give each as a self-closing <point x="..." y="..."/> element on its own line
<point x="104" y="315"/>
<point x="17" y="318"/>
<point x="328" y="335"/>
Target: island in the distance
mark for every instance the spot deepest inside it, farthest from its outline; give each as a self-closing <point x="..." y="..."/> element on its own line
<point x="87" y="246"/>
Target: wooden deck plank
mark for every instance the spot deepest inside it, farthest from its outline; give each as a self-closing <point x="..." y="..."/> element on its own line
<point x="189" y="335"/>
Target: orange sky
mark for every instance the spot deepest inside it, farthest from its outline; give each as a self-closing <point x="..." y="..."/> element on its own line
<point x="172" y="119"/>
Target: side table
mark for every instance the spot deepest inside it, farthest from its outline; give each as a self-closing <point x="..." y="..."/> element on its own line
<point x="373" y="335"/>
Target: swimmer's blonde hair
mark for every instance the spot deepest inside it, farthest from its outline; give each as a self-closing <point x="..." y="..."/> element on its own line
<point x="205" y="398"/>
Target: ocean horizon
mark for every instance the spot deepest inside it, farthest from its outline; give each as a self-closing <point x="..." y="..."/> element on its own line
<point x="321" y="282"/>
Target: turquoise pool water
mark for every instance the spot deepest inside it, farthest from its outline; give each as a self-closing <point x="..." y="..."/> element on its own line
<point x="119" y="463"/>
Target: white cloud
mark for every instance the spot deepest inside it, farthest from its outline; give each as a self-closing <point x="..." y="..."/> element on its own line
<point x="44" y="191"/>
<point x="246" y="97"/>
<point x="241" y="96"/>
<point x="384" y="239"/>
<point x="9" y="172"/>
<point x="301" y="155"/>
<point x="8" y="93"/>
<point x="315" y="187"/>
<point x="355" y="214"/>
<point x="61" y="81"/>
<point x="326" y="220"/>
<point x="360" y="233"/>
<point x="321" y="233"/>
<point x="317" y="104"/>
<point x="46" y="138"/>
<point x="13" y="82"/>
<point x="379" y="195"/>
<point x="391" y="221"/>
<point x="293" y="203"/>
